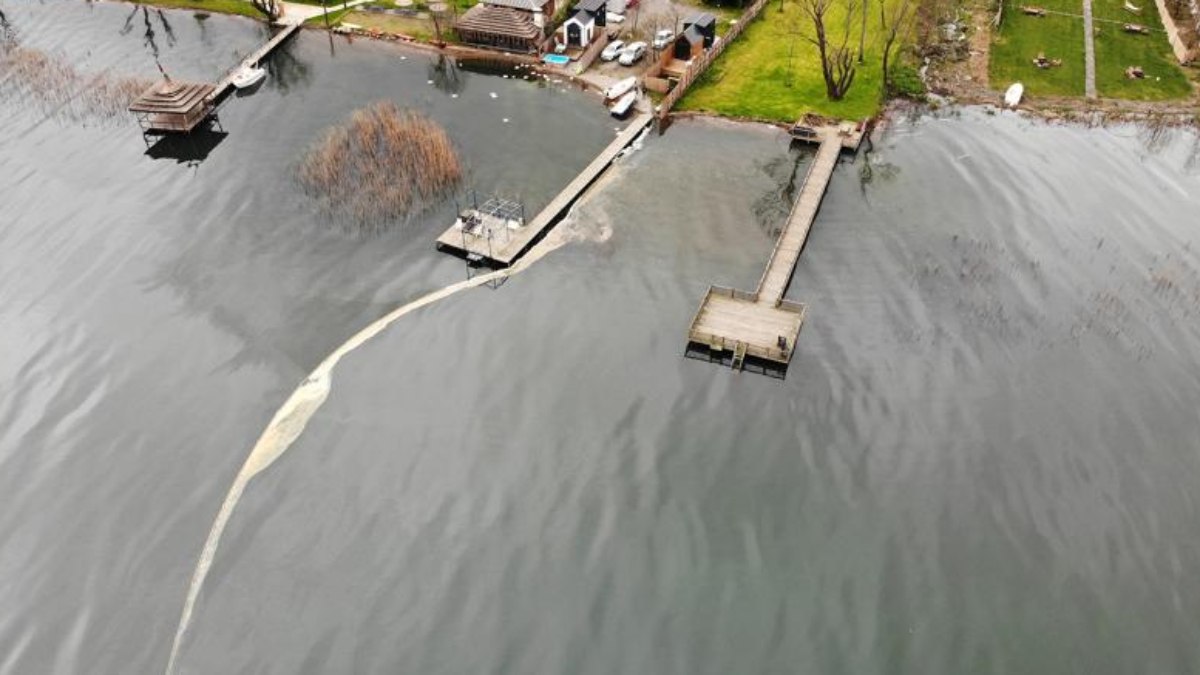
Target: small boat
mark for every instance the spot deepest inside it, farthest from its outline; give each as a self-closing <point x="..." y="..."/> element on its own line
<point x="1012" y="97"/>
<point x="619" y="89"/>
<point x="247" y="76"/>
<point x="623" y="104"/>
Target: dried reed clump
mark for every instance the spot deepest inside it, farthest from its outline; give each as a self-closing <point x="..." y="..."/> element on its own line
<point x="54" y="84"/>
<point x="383" y="163"/>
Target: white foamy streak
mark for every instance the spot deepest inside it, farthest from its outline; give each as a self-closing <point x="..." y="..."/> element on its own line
<point x="289" y="421"/>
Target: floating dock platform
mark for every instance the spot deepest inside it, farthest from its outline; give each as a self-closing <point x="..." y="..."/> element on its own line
<point x="762" y="324"/>
<point x="502" y="250"/>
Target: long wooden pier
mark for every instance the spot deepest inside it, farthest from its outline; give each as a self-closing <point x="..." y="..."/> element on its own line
<point x="763" y="324"/>
<point x="502" y="250"/>
<point x="225" y="85"/>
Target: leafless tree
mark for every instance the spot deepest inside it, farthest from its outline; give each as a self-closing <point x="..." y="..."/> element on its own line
<point x="894" y="24"/>
<point x="272" y="9"/>
<point x="837" y="59"/>
<point x="862" y="32"/>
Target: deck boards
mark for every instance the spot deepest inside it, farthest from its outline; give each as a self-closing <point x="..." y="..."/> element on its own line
<point x="505" y="250"/>
<point x="763" y="324"/>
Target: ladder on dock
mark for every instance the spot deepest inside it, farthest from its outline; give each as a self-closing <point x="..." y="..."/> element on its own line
<point x="739" y="356"/>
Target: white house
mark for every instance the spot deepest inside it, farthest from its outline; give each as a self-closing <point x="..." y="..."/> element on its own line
<point x="582" y="27"/>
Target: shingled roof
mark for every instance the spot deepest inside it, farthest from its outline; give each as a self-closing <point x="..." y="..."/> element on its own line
<point x="172" y="98"/>
<point x="498" y="21"/>
<point x="525" y="5"/>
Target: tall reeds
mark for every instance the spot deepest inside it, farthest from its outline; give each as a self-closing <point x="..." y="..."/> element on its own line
<point x="384" y="163"/>
<point x="51" y="82"/>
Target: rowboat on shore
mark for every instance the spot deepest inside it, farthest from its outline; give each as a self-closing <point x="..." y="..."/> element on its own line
<point x="1012" y="97"/>
<point x="623" y="104"/>
<point x="619" y="89"/>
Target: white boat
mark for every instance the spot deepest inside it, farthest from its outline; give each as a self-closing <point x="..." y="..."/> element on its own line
<point x="623" y="104"/>
<point x="1012" y="97"/>
<point x="247" y="76"/>
<point x="619" y="89"/>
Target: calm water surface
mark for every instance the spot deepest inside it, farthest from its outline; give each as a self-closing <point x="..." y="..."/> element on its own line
<point x="983" y="459"/>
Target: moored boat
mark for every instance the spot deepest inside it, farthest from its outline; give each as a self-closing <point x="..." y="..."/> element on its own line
<point x="247" y="76"/>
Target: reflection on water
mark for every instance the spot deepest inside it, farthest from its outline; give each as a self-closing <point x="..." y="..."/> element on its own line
<point x="983" y="458"/>
<point x="190" y="149"/>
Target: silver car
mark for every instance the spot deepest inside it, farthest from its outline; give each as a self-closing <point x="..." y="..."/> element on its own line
<point x="612" y="51"/>
<point x="632" y="54"/>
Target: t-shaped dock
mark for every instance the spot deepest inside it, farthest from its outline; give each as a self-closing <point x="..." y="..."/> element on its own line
<point x="763" y="324"/>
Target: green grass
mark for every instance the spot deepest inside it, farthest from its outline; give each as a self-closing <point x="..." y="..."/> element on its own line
<point x="421" y="29"/>
<point x="240" y="7"/>
<point x="1116" y="50"/>
<point x="752" y="78"/>
<point x="1021" y="37"/>
<point x="1019" y="40"/>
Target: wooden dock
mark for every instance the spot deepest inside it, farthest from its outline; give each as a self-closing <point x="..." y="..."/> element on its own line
<point x="763" y="324"/>
<point x="504" y="250"/>
<point x="224" y="86"/>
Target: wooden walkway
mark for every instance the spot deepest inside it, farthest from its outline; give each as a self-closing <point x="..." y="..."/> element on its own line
<point x="225" y="85"/>
<point x="504" y="250"/>
<point x="763" y="324"/>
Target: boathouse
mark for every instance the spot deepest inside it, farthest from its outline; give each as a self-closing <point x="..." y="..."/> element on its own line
<point x="170" y="106"/>
<point x="581" y="28"/>
<point x="512" y="25"/>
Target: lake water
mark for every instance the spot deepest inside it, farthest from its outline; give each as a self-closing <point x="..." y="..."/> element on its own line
<point x="983" y="458"/>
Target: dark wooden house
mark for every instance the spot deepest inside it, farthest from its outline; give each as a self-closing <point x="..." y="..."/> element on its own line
<point x="513" y="25"/>
<point x="706" y="25"/>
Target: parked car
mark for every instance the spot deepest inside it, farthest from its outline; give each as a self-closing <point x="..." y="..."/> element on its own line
<point x="663" y="38"/>
<point x="612" y="51"/>
<point x="632" y="53"/>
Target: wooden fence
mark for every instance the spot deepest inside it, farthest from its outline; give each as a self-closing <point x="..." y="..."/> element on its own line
<point x="698" y="66"/>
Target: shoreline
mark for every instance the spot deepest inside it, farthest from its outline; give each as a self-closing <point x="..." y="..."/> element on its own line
<point x="947" y="82"/>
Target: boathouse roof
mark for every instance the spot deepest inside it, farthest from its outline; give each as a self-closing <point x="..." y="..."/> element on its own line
<point x="524" y="5"/>
<point x="500" y="21"/>
<point x="172" y="98"/>
<point x="591" y="6"/>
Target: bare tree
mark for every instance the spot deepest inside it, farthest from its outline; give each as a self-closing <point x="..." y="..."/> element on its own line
<point x="837" y="59"/>
<point x="862" y="32"/>
<point x="272" y="9"/>
<point x="894" y="23"/>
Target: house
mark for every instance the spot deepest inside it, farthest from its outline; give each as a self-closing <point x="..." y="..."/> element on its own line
<point x="513" y="25"/>
<point x="588" y="18"/>
<point x="706" y="25"/>
<point x="688" y="45"/>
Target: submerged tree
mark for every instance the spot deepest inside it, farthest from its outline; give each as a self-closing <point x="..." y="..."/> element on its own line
<point x="837" y="59"/>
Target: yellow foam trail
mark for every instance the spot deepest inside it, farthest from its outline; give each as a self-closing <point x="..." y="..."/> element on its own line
<point x="289" y="421"/>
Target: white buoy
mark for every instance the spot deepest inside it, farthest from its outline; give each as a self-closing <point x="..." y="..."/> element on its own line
<point x="506" y="120"/>
<point x="493" y="94"/>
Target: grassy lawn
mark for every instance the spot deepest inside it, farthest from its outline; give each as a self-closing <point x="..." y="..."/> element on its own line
<point x="215" y="6"/>
<point x="1020" y="38"/>
<point x="1116" y="50"/>
<point x="421" y="29"/>
<point x="752" y="78"/>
